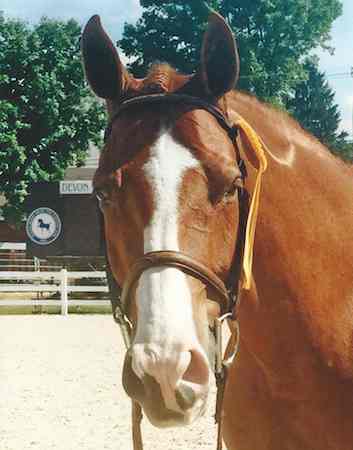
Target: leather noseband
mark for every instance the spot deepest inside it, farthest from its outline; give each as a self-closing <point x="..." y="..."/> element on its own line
<point x="179" y="261"/>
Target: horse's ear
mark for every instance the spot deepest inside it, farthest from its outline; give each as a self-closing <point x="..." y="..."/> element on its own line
<point x="105" y="73"/>
<point x="219" y="66"/>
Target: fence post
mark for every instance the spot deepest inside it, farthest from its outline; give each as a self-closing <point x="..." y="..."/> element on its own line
<point x="64" y="299"/>
<point x="36" y="263"/>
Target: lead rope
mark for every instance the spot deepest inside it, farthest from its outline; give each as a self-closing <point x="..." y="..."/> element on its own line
<point x="136" y="417"/>
<point x="136" y="410"/>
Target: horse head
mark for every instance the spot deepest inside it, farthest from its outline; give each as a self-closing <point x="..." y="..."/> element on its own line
<point x="167" y="180"/>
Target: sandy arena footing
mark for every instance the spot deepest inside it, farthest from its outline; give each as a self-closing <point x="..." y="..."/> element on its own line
<point x="60" y="389"/>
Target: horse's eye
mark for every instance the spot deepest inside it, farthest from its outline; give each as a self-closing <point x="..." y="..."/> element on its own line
<point x="101" y="195"/>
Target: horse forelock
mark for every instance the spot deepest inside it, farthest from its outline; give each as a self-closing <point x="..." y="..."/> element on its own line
<point x="161" y="78"/>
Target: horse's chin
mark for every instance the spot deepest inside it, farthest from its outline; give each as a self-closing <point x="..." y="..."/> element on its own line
<point x="165" y="418"/>
<point x="162" y="417"/>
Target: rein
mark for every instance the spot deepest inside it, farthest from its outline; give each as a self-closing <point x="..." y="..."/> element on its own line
<point x="226" y="292"/>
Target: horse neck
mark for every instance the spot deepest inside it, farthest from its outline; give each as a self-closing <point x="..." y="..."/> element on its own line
<point x="304" y="248"/>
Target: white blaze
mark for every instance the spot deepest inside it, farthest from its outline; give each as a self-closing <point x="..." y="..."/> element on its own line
<point x="165" y="321"/>
<point x="163" y="297"/>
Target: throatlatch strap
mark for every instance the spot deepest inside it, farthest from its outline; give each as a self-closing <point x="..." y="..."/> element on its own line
<point x="235" y="271"/>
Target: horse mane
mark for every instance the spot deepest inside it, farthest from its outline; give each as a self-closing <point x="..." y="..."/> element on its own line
<point x="290" y="127"/>
<point x="162" y="77"/>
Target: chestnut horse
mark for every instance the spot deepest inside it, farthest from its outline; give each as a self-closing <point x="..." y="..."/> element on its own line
<point x="291" y="387"/>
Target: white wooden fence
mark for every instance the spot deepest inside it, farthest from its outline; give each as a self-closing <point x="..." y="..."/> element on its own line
<point x="30" y="264"/>
<point x="38" y="281"/>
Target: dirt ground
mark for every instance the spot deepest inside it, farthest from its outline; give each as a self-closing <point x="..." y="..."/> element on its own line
<point x="60" y="388"/>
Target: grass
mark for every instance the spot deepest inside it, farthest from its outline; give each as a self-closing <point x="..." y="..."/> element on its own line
<point x="28" y="309"/>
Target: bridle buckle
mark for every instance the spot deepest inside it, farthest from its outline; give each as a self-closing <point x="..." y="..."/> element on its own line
<point x="219" y="342"/>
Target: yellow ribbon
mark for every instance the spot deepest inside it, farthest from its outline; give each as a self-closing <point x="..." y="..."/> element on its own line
<point x="259" y="152"/>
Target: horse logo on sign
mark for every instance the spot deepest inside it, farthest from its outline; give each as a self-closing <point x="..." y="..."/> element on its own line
<point x="43" y="226"/>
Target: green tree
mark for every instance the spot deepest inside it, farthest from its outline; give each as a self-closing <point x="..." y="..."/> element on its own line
<point x="47" y="114"/>
<point x="272" y="35"/>
<point x="313" y="105"/>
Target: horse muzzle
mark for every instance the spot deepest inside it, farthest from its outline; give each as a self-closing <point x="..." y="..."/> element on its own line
<point x="168" y="398"/>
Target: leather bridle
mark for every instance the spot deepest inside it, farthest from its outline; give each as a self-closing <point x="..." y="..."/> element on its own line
<point x="226" y="293"/>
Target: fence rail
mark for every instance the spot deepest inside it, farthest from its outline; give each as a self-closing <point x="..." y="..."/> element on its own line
<point x="51" y="282"/>
<point x="12" y="261"/>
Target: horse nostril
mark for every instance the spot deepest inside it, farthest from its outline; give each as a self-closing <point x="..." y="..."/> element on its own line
<point x="185" y="397"/>
<point x="198" y="369"/>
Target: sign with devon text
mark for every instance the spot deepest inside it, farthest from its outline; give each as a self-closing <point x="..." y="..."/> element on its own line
<point x="76" y="187"/>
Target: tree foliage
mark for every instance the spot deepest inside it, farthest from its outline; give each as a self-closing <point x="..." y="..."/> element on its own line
<point x="272" y="36"/>
<point x="275" y="39"/>
<point x="313" y="105"/>
<point x="47" y="114"/>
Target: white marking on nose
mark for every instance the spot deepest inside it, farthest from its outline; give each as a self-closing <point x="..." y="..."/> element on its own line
<point x="163" y="298"/>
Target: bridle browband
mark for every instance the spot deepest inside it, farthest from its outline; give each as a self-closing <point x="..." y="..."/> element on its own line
<point x="226" y="293"/>
<point x="165" y="99"/>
